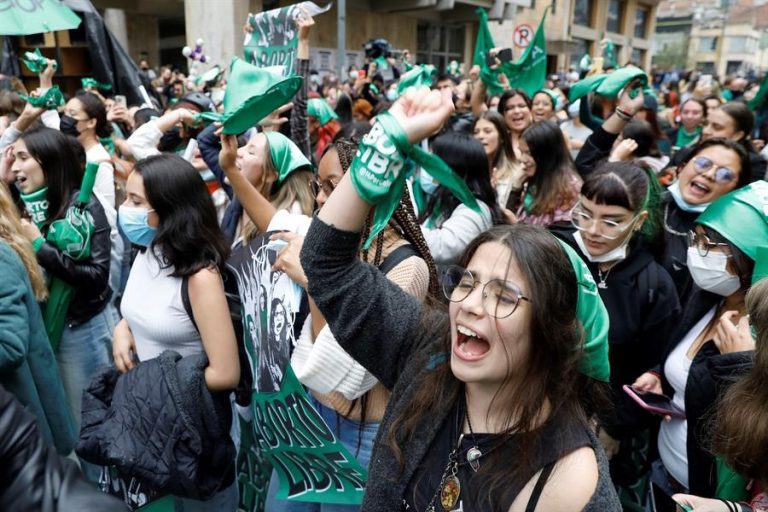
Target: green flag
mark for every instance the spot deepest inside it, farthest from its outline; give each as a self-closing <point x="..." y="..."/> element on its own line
<point x="33" y="17"/>
<point x="529" y="73"/>
<point x="759" y="98"/>
<point x="609" y="55"/>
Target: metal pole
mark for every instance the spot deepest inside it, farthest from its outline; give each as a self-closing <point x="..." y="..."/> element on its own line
<point x="341" y="38"/>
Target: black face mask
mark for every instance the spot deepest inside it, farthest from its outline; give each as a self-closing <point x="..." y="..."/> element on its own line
<point x="68" y="126"/>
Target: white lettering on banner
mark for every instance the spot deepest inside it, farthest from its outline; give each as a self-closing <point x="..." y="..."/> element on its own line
<point x="28" y="6"/>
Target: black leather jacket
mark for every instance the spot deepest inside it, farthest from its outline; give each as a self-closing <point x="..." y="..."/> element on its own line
<point x="33" y="477"/>
<point x="90" y="277"/>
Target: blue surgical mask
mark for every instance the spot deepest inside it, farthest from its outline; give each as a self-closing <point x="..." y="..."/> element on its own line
<point x="427" y="183"/>
<point x="674" y="189"/>
<point x="135" y="225"/>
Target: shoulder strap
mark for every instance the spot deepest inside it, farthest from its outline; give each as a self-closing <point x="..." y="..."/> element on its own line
<point x="185" y="299"/>
<point x="396" y="257"/>
<point x="540" y="483"/>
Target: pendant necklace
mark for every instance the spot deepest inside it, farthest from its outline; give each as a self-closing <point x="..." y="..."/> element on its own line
<point x="602" y="278"/>
<point x="474" y="453"/>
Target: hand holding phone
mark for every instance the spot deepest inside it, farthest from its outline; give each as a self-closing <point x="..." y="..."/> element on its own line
<point x="655" y="403"/>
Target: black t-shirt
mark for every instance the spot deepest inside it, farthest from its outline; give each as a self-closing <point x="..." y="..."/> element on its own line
<point x="557" y="437"/>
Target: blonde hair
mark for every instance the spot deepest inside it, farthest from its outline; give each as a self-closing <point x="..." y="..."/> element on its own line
<point x="10" y="233"/>
<point x="296" y="188"/>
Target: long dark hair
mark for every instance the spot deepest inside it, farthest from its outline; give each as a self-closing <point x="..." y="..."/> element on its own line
<point x="94" y="107"/>
<point x="504" y="149"/>
<point x="550" y="374"/>
<point x="189" y="235"/>
<point x="467" y="158"/>
<point x="741" y="425"/>
<point x="551" y="184"/>
<point x="511" y="93"/>
<point x="642" y="132"/>
<point x="62" y="168"/>
<point x="745" y="174"/>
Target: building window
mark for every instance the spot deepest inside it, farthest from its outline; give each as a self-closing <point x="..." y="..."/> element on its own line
<point x="638" y="56"/>
<point x="734" y="66"/>
<point x="641" y="22"/>
<point x="615" y="16"/>
<point x="707" y="44"/>
<point x="706" y="67"/>
<point x="439" y="44"/>
<point x="583" y="13"/>
<point x="738" y="44"/>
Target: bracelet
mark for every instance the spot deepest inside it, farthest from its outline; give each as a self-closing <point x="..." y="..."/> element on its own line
<point x="623" y="115"/>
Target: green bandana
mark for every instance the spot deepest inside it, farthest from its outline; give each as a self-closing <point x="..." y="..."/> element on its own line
<point x="51" y="100"/>
<point x="378" y="171"/>
<point x="252" y="94"/>
<point x="684" y="138"/>
<point x="552" y="95"/>
<point x="593" y="316"/>
<point x="321" y="110"/>
<point x="93" y="84"/>
<point x="419" y="76"/>
<point x="286" y="155"/>
<point x="609" y="85"/>
<point x="36" y="61"/>
<point x="741" y="217"/>
<point x="36" y="204"/>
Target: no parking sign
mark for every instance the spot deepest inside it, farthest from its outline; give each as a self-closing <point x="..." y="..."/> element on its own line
<point x="523" y="35"/>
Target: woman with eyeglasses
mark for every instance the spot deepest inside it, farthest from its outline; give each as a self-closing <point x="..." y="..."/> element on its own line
<point x="616" y="221"/>
<point x="733" y="121"/>
<point x="716" y="167"/>
<point x="487" y="409"/>
<point x="701" y="358"/>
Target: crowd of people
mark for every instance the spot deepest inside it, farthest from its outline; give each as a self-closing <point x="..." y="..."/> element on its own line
<point x="514" y="302"/>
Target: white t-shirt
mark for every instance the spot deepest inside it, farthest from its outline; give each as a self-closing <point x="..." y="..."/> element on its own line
<point x="673" y="435"/>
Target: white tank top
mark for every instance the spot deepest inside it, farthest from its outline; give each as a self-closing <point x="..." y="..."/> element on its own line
<point x="155" y="313"/>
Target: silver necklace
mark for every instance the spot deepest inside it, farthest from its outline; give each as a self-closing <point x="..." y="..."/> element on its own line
<point x="666" y="224"/>
<point x="603" y="278"/>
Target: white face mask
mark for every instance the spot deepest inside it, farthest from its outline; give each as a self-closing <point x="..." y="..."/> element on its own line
<point x="617" y="254"/>
<point x="709" y="272"/>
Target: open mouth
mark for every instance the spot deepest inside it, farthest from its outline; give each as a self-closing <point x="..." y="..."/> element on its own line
<point x="698" y="188"/>
<point x="470" y="346"/>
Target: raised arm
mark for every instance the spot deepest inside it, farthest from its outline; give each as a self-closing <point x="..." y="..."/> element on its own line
<point x="299" y="129"/>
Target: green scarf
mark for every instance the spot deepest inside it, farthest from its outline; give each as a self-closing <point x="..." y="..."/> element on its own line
<point x="286" y="155"/>
<point x="684" y="138"/>
<point x="51" y="100"/>
<point x="88" y="82"/>
<point x="321" y="110"/>
<point x="36" y="61"/>
<point x="378" y="171"/>
<point x="36" y="204"/>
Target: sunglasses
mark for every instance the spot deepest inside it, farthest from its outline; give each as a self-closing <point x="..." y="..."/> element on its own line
<point x="702" y="164"/>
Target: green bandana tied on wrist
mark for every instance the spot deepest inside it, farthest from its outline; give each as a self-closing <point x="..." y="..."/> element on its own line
<point x="286" y="156"/>
<point x="35" y="61"/>
<point x="378" y="171"/>
<point x="321" y="110"/>
<point x="36" y="205"/>
<point x="91" y="83"/>
<point x="593" y="317"/>
<point x="52" y="99"/>
<point x="609" y="85"/>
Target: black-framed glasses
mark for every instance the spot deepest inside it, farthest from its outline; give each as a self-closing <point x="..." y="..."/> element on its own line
<point x="500" y="297"/>
<point x="702" y="164"/>
<point x="609" y="229"/>
<point x="327" y="186"/>
<point x="703" y="244"/>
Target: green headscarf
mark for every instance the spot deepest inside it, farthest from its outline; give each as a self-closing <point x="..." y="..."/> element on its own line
<point x="36" y="205"/>
<point x="741" y="217"/>
<point x="286" y="155"/>
<point x="321" y="110"/>
<point x="593" y="316"/>
<point x="420" y="75"/>
<point x="608" y="85"/>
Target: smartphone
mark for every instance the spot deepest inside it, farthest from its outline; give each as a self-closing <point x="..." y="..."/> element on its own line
<point x="121" y="101"/>
<point x="503" y="55"/>
<point x="655" y="404"/>
<point x="662" y="502"/>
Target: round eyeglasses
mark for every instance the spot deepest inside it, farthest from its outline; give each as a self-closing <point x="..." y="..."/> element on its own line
<point x="609" y="229"/>
<point x="702" y="164"/>
<point x="703" y="244"/>
<point x="500" y="297"/>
